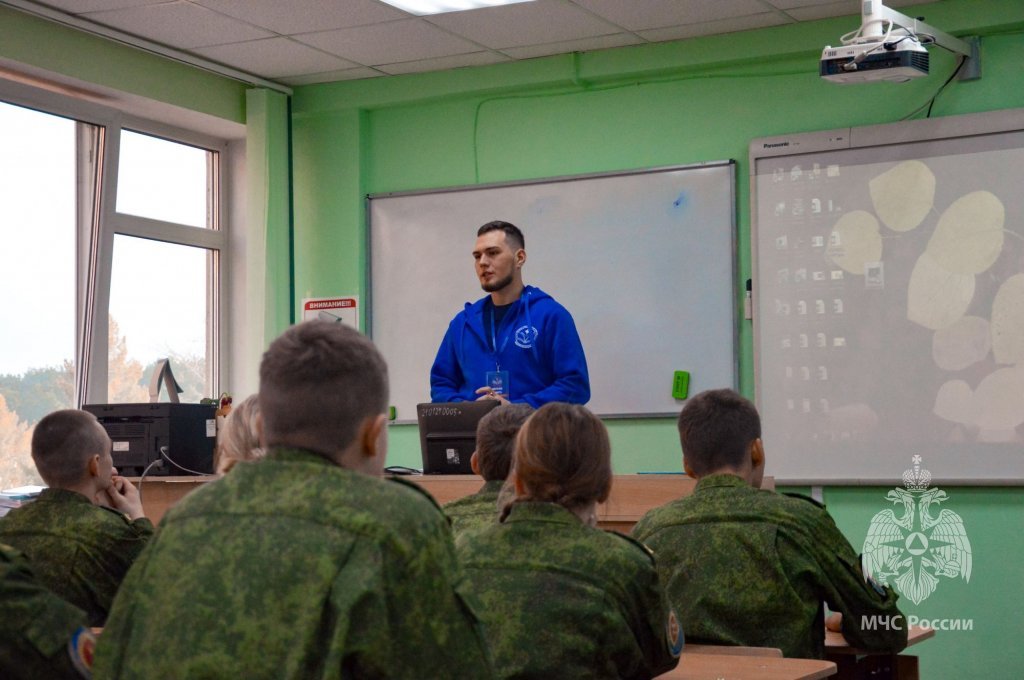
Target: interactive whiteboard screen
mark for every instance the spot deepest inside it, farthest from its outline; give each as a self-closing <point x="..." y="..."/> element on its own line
<point x="644" y="262"/>
<point x="889" y="297"/>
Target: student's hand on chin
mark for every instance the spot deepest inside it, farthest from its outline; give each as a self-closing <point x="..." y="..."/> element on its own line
<point x="103" y="498"/>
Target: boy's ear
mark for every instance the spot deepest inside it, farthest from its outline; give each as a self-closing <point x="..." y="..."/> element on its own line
<point x="94" y="465"/>
<point x="370" y="441"/>
<point x="688" y="470"/>
<point x="474" y="463"/>
<point x="757" y="453"/>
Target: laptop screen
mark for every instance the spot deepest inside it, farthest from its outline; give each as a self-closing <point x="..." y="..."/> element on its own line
<point x="448" y="435"/>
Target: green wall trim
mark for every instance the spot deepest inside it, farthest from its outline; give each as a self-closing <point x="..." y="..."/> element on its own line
<point x="43" y="44"/>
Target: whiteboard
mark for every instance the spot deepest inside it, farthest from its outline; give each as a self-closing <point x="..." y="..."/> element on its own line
<point x="889" y="297"/>
<point x="644" y="262"/>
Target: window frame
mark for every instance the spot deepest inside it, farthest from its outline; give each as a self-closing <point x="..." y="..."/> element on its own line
<point x="96" y="227"/>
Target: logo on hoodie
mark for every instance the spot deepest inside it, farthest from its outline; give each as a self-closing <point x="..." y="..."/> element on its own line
<point x="526" y="336"/>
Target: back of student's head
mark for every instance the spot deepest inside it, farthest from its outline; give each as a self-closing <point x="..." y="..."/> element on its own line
<point x="496" y="437"/>
<point x="563" y="456"/>
<point x="318" y="382"/>
<point x="62" y="444"/>
<point x="240" y="435"/>
<point x="716" y="428"/>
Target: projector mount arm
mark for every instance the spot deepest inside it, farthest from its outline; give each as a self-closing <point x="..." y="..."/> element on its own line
<point x="875" y="15"/>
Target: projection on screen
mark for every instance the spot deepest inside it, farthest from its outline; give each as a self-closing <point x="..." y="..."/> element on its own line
<point x="891" y="307"/>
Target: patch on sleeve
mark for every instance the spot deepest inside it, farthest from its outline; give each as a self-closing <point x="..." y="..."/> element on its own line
<point x="674" y="633"/>
<point x="81" y="647"/>
<point x="875" y="585"/>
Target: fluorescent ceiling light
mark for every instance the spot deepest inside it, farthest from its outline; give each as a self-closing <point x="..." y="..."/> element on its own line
<point x="422" y="7"/>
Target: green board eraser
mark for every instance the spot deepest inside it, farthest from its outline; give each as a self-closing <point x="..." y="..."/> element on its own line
<point x="680" y="385"/>
<point x="392" y="413"/>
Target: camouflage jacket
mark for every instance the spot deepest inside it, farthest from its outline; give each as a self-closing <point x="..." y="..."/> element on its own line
<point x="749" y="567"/>
<point x="564" y="600"/>
<point x="472" y="513"/>
<point x="293" y="567"/>
<point x="41" y="635"/>
<point x="78" y="550"/>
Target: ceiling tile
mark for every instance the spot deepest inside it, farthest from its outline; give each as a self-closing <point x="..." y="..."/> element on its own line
<point x="644" y="14"/>
<point x="745" y="23"/>
<point x="823" y="11"/>
<point x="389" y="43"/>
<point x="443" y="63"/>
<point x="179" y="24"/>
<point x="519" y="25"/>
<point x="599" y="43"/>
<point x="83" y="6"/>
<point x="333" y="76"/>
<point x="852" y="6"/>
<point x="274" y="57"/>
<point x="849" y="6"/>
<point x="306" y="16"/>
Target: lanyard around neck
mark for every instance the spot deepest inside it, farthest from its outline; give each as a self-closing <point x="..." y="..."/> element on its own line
<point x="494" y="339"/>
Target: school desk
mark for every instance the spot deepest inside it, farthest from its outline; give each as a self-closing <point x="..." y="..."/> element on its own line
<point x="858" y="663"/>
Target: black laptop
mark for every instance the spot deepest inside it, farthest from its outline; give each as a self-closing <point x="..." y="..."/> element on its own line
<point x="448" y="435"/>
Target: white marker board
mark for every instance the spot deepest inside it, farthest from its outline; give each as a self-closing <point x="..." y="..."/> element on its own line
<point x="644" y="262"/>
<point x="889" y="297"/>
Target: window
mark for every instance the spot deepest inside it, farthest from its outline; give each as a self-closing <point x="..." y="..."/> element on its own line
<point x="166" y="318"/>
<point x="163" y="180"/>
<point x="110" y="259"/>
<point x="166" y="213"/>
<point x="38" y="264"/>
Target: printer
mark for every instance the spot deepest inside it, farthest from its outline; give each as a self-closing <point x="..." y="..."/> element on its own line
<point x="160" y="438"/>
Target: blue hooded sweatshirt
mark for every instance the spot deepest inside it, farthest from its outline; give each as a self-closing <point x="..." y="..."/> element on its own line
<point x="537" y="344"/>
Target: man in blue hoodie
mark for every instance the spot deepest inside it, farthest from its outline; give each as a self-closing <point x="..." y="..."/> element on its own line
<point x="514" y="345"/>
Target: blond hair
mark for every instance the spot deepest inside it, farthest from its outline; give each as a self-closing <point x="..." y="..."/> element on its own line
<point x="240" y="436"/>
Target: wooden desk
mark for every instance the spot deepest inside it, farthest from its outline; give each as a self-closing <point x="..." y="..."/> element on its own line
<point x="728" y="667"/>
<point x="631" y="497"/>
<point x="854" y="664"/>
<point x="160" y="493"/>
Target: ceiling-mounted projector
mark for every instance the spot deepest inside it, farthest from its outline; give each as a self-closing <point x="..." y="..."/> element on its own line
<point x="888" y="46"/>
<point x="866" y="62"/>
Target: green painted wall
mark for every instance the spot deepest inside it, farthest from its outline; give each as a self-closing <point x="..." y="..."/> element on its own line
<point x="672" y="103"/>
<point x="29" y="40"/>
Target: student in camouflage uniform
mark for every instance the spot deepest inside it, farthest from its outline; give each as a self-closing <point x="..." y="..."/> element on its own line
<point x="495" y="438"/>
<point x="41" y="635"/>
<point x="561" y="598"/>
<point x="306" y="563"/>
<point x="79" y="547"/>
<point x="749" y="567"/>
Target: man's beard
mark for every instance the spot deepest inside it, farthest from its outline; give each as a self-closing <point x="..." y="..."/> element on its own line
<point x="496" y="285"/>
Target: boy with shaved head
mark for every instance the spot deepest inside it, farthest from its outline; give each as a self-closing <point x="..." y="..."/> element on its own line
<point x="85" y="530"/>
<point x="495" y="438"/>
<point x="749" y="567"/>
<point x="305" y="563"/>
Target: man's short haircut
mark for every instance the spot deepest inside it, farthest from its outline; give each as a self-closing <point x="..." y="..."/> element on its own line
<point x="62" y="444"/>
<point x="318" y="382"/>
<point x="513" y="236"/>
<point x="716" y="428"/>
<point x="496" y="438"/>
